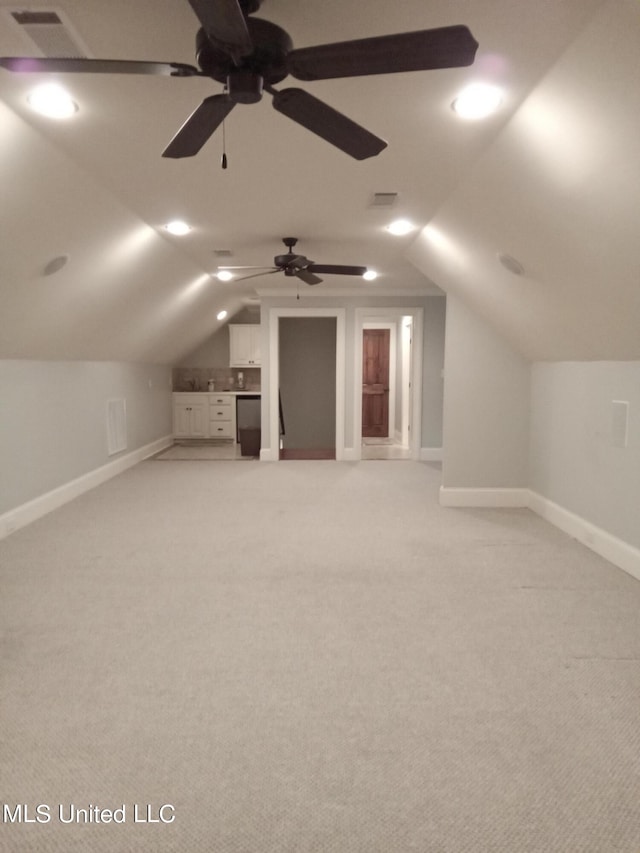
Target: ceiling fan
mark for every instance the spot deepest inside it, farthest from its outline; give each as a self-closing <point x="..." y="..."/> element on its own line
<point x="249" y="55"/>
<point x="296" y="265"/>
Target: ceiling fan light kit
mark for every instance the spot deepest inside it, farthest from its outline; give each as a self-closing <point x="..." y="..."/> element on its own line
<point x="250" y="56"/>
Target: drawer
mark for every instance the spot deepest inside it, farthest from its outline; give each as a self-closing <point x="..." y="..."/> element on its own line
<point x="220" y="413"/>
<point x="220" y="400"/>
<point x="220" y="429"/>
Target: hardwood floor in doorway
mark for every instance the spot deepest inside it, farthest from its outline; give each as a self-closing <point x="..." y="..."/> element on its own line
<point x="312" y="453"/>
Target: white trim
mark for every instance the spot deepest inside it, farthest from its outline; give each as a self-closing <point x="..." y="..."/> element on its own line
<point x="617" y="551"/>
<point x="268" y="454"/>
<point x="272" y="453"/>
<point x="375" y="291"/>
<point x="431" y="454"/>
<point x="22" y="515"/>
<point x="484" y="497"/>
<point x="352" y="454"/>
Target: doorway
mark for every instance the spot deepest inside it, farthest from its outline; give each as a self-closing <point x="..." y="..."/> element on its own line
<point x="307" y="387"/>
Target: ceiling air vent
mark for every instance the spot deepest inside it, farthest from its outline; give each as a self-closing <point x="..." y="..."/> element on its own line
<point x="222" y="253"/>
<point x="50" y="32"/>
<point x="383" y="199"/>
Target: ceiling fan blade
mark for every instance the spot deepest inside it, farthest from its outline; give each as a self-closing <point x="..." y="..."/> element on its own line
<point x="257" y="274"/>
<point x="96" y="66"/>
<point x="199" y="126"/>
<point x="445" y="47"/>
<point x="328" y="123"/>
<point x="337" y="269"/>
<point x="224" y="23"/>
<point x="307" y="277"/>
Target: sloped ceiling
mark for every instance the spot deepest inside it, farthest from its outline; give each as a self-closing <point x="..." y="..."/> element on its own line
<point x="552" y="179"/>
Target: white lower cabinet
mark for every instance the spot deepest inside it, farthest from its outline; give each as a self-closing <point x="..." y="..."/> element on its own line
<point x="191" y="416"/>
<point x="204" y="415"/>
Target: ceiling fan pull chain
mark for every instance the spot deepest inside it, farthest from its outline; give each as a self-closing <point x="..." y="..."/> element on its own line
<point x="224" y="147"/>
<point x="223" y="162"/>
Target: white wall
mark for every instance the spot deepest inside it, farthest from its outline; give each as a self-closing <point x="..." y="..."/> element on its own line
<point x="486" y="405"/>
<point x="432" y="371"/>
<point x="53" y="420"/>
<point x="214" y="351"/>
<point x="574" y="461"/>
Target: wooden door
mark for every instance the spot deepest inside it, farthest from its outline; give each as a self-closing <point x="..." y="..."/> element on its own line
<point x="375" y="383"/>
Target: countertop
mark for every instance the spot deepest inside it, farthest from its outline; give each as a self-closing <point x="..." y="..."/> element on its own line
<point x="244" y="393"/>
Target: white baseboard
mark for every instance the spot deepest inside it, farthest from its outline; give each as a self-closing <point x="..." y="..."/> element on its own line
<point x="351" y="454"/>
<point x="268" y="454"/>
<point x="617" y="551"/>
<point x="484" y="497"/>
<point x="22" y="515"/>
<point x="430" y="454"/>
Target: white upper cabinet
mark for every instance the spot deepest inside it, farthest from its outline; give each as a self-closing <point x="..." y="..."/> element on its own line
<point x="244" y="345"/>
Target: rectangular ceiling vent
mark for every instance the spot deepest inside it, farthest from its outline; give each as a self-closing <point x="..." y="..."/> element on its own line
<point x="50" y="32"/>
<point x="222" y="253"/>
<point x="383" y="199"/>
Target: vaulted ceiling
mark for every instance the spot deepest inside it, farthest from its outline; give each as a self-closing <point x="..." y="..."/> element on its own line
<point x="552" y="180"/>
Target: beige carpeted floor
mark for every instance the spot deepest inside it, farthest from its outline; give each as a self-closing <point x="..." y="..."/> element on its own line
<point x="203" y="451"/>
<point x="313" y="657"/>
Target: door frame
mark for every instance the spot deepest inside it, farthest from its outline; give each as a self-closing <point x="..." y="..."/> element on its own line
<point x="272" y="454"/>
<point x="376" y="317"/>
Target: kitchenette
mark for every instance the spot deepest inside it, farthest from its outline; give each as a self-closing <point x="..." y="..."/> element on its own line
<point x="221" y="402"/>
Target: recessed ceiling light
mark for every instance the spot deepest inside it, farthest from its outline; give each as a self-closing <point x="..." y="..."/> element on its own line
<point x="477" y="101"/>
<point x="370" y="275"/>
<point x="221" y="315"/>
<point x="52" y="101"/>
<point x="178" y="227"/>
<point x="225" y="275"/>
<point x="400" y="227"/>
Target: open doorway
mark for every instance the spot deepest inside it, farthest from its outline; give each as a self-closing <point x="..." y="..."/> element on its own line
<point x="307" y="387"/>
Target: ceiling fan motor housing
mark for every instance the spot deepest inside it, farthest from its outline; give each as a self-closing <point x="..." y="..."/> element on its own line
<point x="267" y="60"/>
<point x="250" y="6"/>
<point x="244" y="87"/>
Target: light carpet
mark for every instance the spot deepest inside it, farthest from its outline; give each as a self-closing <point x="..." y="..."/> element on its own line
<point x="314" y="657"/>
<point x="223" y="451"/>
